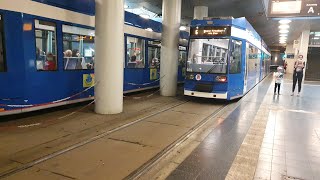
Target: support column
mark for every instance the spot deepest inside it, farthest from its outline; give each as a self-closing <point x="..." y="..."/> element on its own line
<point x="304" y="45"/>
<point x="171" y="12"/>
<point x="109" y="54"/>
<point x="200" y="12"/>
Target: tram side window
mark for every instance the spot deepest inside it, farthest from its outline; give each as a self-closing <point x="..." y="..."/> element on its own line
<point x="135" y="52"/>
<point x="182" y="56"/>
<point x="252" y="58"/>
<point x="78" y="48"/>
<point x="2" y="49"/>
<point x="154" y="52"/>
<point x="46" y="53"/>
<point x="235" y="58"/>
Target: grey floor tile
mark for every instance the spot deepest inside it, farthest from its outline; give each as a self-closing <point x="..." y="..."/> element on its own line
<point x="181" y="175"/>
<point x="193" y="165"/>
<point x="276" y="175"/>
<point x="210" y="174"/>
<point x="279" y="168"/>
<point x="262" y="174"/>
<point x="299" y="172"/>
<point x="264" y="165"/>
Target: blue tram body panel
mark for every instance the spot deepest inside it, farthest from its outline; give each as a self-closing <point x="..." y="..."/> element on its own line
<point x="13" y="81"/>
<point x="27" y="89"/>
<point x="208" y="39"/>
<point x="80" y="6"/>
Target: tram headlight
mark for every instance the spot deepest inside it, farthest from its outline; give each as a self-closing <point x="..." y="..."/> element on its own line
<point x="221" y="79"/>
<point x="190" y="77"/>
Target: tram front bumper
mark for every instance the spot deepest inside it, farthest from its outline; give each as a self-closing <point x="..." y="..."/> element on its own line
<point x="206" y="95"/>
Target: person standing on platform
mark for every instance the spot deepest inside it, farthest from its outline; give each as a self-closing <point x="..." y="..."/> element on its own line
<point x="278" y="80"/>
<point x="298" y="74"/>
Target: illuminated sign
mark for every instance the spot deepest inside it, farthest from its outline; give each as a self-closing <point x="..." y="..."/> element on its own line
<point x="289" y="8"/>
<point x="211" y="31"/>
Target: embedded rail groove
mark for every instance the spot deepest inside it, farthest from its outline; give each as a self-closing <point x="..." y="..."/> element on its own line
<point x="152" y="162"/>
<point x="80" y="144"/>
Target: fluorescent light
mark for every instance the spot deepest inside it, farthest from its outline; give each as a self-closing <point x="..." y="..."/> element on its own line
<point x="149" y="29"/>
<point x="285" y="21"/>
<point x="284" y="26"/>
<point x="316" y="38"/>
<point x="145" y="16"/>
<point x="183" y="28"/>
<point x="126" y="6"/>
<point x="282" y="31"/>
<point x="283" y="35"/>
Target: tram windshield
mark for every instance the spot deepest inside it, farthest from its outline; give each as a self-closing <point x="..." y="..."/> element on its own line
<point x="208" y="56"/>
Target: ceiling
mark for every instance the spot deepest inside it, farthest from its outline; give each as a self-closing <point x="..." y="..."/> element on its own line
<point x="253" y="10"/>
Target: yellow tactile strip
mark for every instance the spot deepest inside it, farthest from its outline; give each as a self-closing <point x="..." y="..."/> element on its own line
<point x="246" y="160"/>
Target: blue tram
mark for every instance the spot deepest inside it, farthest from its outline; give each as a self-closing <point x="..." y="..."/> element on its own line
<point x="47" y="54"/>
<point x="226" y="59"/>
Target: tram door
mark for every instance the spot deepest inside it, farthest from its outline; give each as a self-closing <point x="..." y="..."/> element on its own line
<point x="235" y="69"/>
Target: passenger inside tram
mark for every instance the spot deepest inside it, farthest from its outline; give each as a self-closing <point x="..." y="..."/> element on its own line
<point x="50" y="63"/>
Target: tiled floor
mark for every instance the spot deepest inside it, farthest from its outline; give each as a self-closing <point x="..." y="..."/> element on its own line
<point x="290" y="148"/>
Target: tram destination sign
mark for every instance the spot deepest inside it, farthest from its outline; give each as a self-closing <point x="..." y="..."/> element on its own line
<point x="208" y="31"/>
<point x="292" y="9"/>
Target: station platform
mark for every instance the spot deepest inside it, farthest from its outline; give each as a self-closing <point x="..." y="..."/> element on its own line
<point x="267" y="136"/>
<point x="261" y="136"/>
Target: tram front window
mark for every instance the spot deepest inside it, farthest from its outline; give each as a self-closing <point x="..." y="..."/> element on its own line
<point x="208" y="56"/>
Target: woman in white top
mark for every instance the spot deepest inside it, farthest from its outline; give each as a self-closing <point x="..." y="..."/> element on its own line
<point x="298" y="74"/>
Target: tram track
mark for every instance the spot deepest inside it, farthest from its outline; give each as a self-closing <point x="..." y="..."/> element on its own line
<point x="157" y="158"/>
<point x="142" y="169"/>
<point x="90" y="140"/>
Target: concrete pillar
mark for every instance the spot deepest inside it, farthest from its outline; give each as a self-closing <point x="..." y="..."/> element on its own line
<point x="304" y="45"/>
<point x="109" y="54"/>
<point x="171" y="12"/>
<point x="290" y="61"/>
<point x="200" y="12"/>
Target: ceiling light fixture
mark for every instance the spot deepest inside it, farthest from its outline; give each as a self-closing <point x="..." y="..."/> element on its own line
<point x="145" y="16"/>
<point x="284" y="26"/>
<point x="285" y="21"/>
<point x="283" y="35"/>
<point x="283" y="31"/>
<point x="126" y="6"/>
